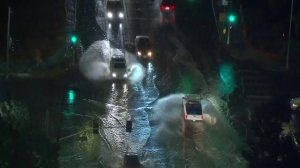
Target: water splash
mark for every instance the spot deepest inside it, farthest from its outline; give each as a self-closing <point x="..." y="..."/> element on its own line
<point x="137" y="73"/>
<point x="168" y="114"/>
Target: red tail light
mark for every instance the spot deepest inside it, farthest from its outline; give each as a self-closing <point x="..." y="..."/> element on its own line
<point x="172" y="7"/>
<point x="167" y="7"/>
<point x="162" y="7"/>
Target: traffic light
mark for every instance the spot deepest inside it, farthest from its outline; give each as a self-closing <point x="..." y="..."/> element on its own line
<point x="71" y="96"/>
<point x="73" y="39"/>
<point x="231" y="18"/>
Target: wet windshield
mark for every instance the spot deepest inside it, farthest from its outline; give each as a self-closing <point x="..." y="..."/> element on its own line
<point x="143" y="43"/>
<point x="114" y="5"/>
<point x="194" y="108"/>
<point x="120" y="65"/>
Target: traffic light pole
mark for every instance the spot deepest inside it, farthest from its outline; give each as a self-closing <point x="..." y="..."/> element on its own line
<point x="289" y="40"/>
<point x="228" y="34"/>
<point x="75" y="14"/>
<point x="7" y="43"/>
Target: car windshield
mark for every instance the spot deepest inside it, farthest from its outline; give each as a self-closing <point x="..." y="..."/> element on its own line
<point x="114" y="5"/>
<point x="120" y="65"/>
<point x="194" y="108"/>
<point x="120" y="59"/>
<point x="143" y="43"/>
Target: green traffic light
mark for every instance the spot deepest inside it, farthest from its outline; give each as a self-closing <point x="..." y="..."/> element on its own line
<point x="231" y="18"/>
<point x="74" y="39"/>
<point x="71" y="96"/>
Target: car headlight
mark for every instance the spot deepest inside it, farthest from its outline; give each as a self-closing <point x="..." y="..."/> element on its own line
<point x="110" y="15"/>
<point x="121" y="15"/>
<point x="125" y="75"/>
<point x="149" y="53"/>
<point x="294" y="106"/>
<point x="114" y="75"/>
<point x="139" y="53"/>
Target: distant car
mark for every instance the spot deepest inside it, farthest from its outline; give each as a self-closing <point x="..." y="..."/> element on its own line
<point x="131" y="160"/>
<point x="192" y="107"/>
<point x="167" y="11"/>
<point x="295" y="103"/>
<point x="118" y="67"/>
<point x="114" y="11"/>
<point x="143" y="47"/>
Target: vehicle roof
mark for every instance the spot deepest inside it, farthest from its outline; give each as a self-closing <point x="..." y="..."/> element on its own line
<point x="143" y="43"/>
<point x="113" y="0"/>
<point x="168" y="1"/>
<point x="141" y="36"/>
<point x="192" y="97"/>
<point x="118" y="55"/>
<point x="114" y="4"/>
<point x="296" y="100"/>
<point x="193" y="102"/>
<point x="118" y="59"/>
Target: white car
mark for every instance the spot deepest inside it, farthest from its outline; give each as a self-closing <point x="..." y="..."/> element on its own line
<point x="118" y="67"/>
<point x="295" y="103"/>
<point x="192" y="107"/>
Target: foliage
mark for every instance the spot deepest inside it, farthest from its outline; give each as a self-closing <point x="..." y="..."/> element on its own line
<point x="267" y="146"/>
<point x="20" y="144"/>
<point x="14" y="113"/>
<point x="288" y="129"/>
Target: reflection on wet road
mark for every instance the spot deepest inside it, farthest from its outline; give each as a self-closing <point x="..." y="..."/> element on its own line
<point x="131" y="101"/>
<point x="145" y="93"/>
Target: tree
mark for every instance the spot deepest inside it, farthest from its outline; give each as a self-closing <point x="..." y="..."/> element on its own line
<point x="20" y="141"/>
<point x="268" y="148"/>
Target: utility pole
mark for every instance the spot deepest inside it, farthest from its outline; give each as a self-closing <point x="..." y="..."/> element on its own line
<point x="228" y="34"/>
<point x="289" y="38"/>
<point x="8" y="42"/>
<point x="75" y="14"/>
